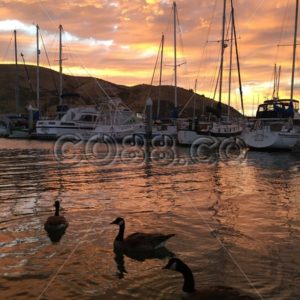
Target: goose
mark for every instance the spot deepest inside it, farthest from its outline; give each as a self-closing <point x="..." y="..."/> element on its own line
<point x="56" y="225"/>
<point x="208" y="293"/>
<point x="138" y="242"/>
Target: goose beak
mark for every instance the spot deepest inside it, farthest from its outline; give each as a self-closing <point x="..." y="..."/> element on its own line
<point x="114" y="222"/>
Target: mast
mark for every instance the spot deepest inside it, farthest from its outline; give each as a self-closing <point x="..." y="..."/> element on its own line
<point x="37" y="68"/>
<point x="230" y="68"/>
<point x="160" y="72"/>
<point x="294" y="50"/>
<point x="194" y="105"/>
<point x="17" y="73"/>
<point x="275" y="81"/>
<point x="278" y="81"/>
<point x="175" y="54"/>
<point x="27" y="74"/>
<point x="60" y="66"/>
<point x="222" y="51"/>
<point x="237" y="58"/>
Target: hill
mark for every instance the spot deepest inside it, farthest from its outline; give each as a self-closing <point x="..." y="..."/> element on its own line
<point x="90" y="91"/>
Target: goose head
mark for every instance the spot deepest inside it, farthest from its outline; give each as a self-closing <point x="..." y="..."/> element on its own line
<point x="178" y="265"/>
<point x="216" y="292"/>
<point x="175" y="264"/>
<point x="118" y="221"/>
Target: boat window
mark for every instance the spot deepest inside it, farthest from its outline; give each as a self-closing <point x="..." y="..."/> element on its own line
<point x="87" y="118"/>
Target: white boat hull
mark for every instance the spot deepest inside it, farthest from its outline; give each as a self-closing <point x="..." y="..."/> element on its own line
<point x="261" y="139"/>
<point x="56" y="129"/>
<point x="188" y="137"/>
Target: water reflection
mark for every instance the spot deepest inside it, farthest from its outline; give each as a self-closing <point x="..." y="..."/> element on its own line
<point x="248" y="207"/>
<point x="274" y="160"/>
<point x="161" y="253"/>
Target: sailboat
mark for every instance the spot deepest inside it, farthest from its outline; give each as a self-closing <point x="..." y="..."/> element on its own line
<point x="225" y="127"/>
<point x="275" y="126"/>
<point x="161" y="129"/>
<point x="22" y="126"/>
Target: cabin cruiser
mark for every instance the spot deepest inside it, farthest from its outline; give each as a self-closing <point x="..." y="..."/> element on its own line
<point x="111" y="117"/>
<point x="76" y="120"/>
<point x="277" y="126"/>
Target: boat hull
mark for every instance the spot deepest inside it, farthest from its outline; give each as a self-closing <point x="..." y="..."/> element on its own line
<point x="188" y="137"/>
<point x="271" y="140"/>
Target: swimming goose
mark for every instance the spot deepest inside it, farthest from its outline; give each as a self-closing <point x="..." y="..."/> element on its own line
<point x="138" y="242"/>
<point x="209" y="293"/>
<point x="56" y="225"/>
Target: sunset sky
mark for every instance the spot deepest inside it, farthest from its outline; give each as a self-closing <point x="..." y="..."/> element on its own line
<point x="119" y="40"/>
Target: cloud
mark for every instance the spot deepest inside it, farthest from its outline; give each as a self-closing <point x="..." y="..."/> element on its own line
<point x="92" y="42"/>
<point x="124" y="35"/>
<point x="10" y="25"/>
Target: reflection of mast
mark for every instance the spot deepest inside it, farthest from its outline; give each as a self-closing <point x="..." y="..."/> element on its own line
<point x="294" y="50"/>
<point x="17" y="74"/>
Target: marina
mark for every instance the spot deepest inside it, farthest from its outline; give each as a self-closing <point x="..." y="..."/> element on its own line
<point x="145" y="153"/>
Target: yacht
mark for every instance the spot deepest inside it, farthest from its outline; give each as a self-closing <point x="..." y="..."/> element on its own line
<point x="111" y="117"/>
<point x="75" y="121"/>
<point x="276" y="126"/>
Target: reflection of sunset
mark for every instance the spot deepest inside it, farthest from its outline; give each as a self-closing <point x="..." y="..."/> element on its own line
<point x="118" y="41"/>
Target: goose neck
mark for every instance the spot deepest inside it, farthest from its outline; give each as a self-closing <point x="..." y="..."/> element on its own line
<point x="120" y="236"/>
<point x="56" y="211"/>
<point x="189" y="283"/>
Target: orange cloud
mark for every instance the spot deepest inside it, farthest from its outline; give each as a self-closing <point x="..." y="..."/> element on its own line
<point x="119" y="40"/>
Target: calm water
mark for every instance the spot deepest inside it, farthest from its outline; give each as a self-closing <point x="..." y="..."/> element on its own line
<point x="236" y="222"/>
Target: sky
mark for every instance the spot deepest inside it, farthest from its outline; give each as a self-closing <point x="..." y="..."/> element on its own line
<point x="119" y="41"/>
